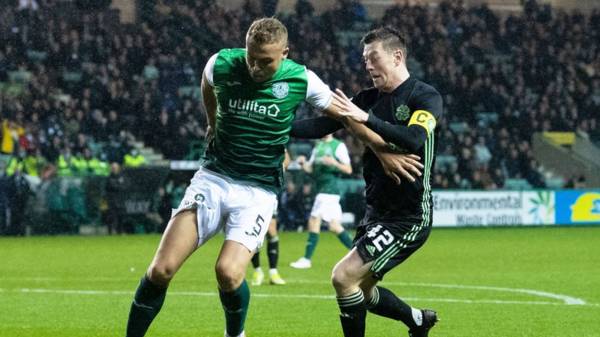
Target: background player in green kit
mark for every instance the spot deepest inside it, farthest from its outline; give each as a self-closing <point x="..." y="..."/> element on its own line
<point x="328" y="161"/>
<point x="250" y="96"/>
<point x="258" y="275"/>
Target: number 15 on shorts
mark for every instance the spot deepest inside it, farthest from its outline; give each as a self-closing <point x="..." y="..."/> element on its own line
<point x="257" y="228"/>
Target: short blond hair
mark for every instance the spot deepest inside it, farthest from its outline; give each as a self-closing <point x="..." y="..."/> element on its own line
<point x="267" y="31"/>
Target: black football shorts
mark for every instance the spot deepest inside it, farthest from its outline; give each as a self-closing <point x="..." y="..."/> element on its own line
<point x="388" y="244"/>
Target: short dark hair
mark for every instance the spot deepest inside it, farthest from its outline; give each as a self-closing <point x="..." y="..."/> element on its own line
<point x="390" y="38"/>
<point x="267" y="31"/>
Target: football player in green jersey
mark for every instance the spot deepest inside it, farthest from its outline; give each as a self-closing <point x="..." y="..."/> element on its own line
<point x="328" y="161"/>
<point x="250" y="96"/>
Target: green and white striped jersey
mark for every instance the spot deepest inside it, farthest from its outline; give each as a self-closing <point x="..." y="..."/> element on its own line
<point x="253" y="120"/>
<point x="327" y="177"/>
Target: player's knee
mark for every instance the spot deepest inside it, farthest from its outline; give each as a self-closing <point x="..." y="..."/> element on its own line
<point x="340" y="278"/>
<point x="228" y="277"/>
<point x="314" y="224"/>
<point x="335" y="227"/>
<point x="161" y="274"/>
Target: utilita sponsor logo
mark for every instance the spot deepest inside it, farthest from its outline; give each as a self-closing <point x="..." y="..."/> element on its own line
<point x="253" y="107"/>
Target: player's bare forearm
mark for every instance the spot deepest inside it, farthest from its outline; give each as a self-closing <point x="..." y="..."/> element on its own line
<point x="345" y="168"/>
<point x="286" y="160"/>
<point x="209" y="100"/>
<point x="367" y="136"/>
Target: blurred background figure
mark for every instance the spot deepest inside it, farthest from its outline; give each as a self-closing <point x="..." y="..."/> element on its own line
<point x="116" y="187"/>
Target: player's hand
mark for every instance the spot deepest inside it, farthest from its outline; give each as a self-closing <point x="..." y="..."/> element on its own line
<point x="400" y="166"/>
<point x="347" y="108"/>
<point x="301" y="159"/>
<point x="328" y="160"/>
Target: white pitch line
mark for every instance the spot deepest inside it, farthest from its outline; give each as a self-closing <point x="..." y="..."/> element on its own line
<point x="263" y="295"/>
<point x="565" y="298"/>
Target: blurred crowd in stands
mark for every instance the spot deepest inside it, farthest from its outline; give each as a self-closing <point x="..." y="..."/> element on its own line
<point x="78" y="88"/>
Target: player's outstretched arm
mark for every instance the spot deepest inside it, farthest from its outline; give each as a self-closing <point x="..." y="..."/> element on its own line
<point x="314" y="128"/>
<point x="411" y="137"/>
<point x="397" y="166"/>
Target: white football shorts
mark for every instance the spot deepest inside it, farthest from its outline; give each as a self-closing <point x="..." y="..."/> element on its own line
<point x="243" y="210"/>
<point x="327" y="207"/>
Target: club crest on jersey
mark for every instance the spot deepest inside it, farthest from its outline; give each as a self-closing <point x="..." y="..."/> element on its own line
<point x="402" y="112"/>
<point x="280" y="89"/>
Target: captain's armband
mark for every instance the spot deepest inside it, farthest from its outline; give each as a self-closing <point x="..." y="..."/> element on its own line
<point x="424" y="119"/>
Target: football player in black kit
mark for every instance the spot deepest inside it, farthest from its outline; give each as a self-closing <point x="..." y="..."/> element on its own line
<point x="404" y="112"/>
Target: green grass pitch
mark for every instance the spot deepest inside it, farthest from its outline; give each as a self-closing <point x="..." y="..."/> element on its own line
<point x="492" y="282"/>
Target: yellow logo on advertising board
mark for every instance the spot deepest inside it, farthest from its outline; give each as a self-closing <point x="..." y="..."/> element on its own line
<point x="586" y="208"/>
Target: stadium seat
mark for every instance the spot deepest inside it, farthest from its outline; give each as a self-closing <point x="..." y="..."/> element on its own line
<point x="459" y="127"/>
<point x="445" y="160"/>
<point x="300" y="148"/>
<point x="36" y="55"/>
<point x="554" y="182"/>
<point x="517" y="184"/>
<point x="485" y="119"/>
<point x="19" y="76"/>
<point x="72" y="76"/>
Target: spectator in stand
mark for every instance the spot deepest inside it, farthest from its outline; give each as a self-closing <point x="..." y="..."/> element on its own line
<point x="537" y="70"/>
<point x="134" y="159"/>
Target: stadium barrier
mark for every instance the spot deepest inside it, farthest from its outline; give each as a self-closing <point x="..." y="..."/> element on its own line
<point x="515" y="208"/>
<point x="77" y="205"/>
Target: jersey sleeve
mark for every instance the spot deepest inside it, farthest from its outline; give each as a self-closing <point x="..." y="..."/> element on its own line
<point x="360" y="100"/>
<point x="209" y="69"/>
<point x="314" y="128"/>
<point x="422" y="122"/>
<point x="317" y="92"/>
<point x="342" y="154"/>
<point x="313" y="156"/>
<point x="427" y="108"/>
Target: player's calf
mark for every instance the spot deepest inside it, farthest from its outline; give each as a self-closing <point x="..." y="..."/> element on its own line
<point x="146" y="304"/>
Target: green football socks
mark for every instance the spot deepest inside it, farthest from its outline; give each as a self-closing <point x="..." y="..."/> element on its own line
<point x="146" y="304"/>
<point x="311" y="244"/>
<point x="235" y="304"/>
<point x="345" y="239"/>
